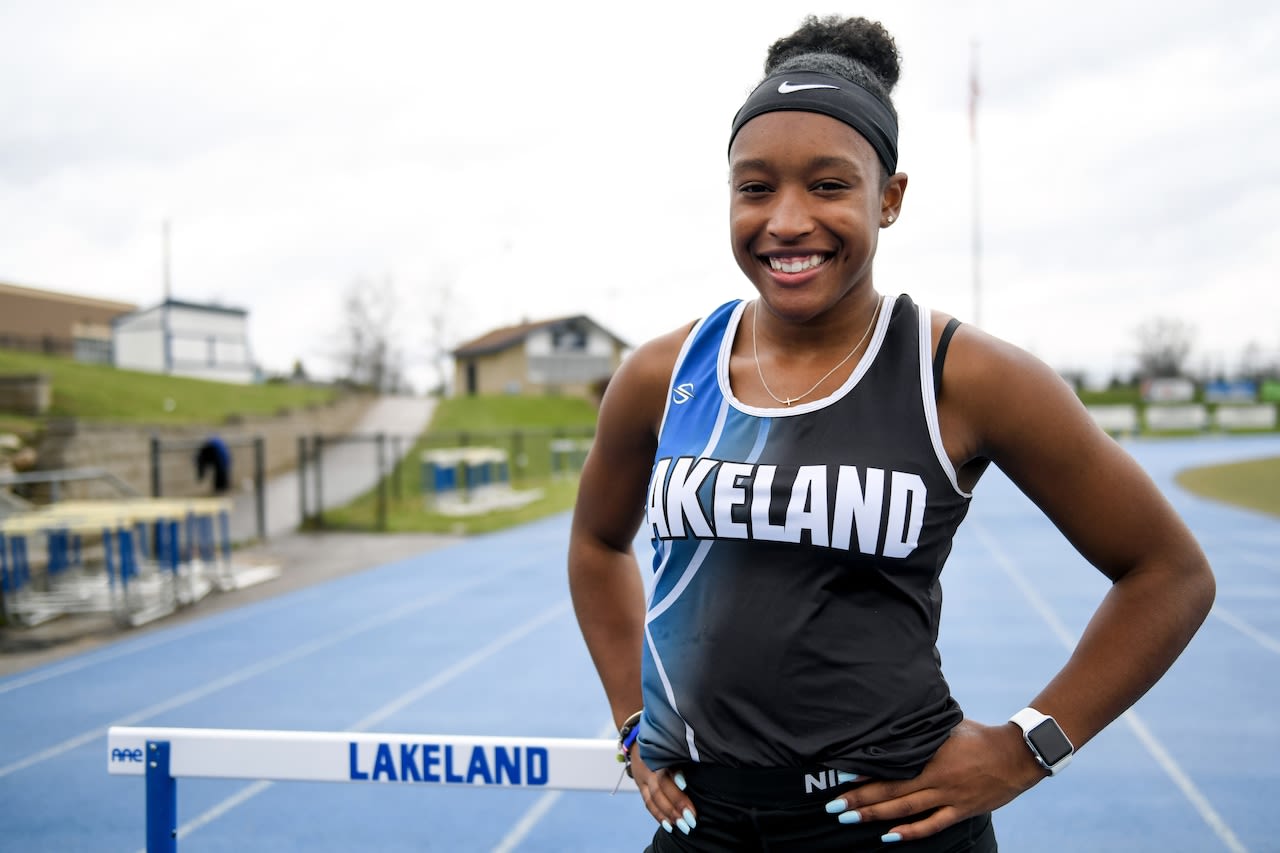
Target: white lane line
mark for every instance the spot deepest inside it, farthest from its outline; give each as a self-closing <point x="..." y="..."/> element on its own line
<point x="123" y="649"/>
<point x="141" y="644"/>
<point x="1261" y="638"/>
<point x="445" y="676"/>
<point x="1269" y="563"/>
<point x="1139" y="728"/>
<point x="240" y="675"/>
<point x="394" y="706"/>
<point x="528" y="821"/>
<point x="538" y="810"/>
<point x="245" y="794"/>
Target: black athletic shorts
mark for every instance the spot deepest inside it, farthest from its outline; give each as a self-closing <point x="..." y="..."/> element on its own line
<point x="779" y="811"/>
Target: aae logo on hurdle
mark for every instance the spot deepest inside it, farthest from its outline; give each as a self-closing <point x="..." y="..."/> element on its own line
<point x="126" y="755"/>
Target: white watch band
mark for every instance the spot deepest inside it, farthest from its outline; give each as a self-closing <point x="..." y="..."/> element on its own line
<point x="1027" y="719"/>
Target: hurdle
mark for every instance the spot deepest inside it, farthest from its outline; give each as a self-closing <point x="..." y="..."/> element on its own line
<point x="470" y="481"/>
<point x="158" y="554"/>
<point x="568" y="455"/>
<point x="164" y="755"/>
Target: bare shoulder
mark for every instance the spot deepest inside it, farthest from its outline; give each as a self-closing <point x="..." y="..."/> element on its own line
<point x="613" y="480"/>
<point x="652" y="363"/>
<point x="1004" y="394"/>
<point x="1017" y="412"/>
<point x="637" y="393"/>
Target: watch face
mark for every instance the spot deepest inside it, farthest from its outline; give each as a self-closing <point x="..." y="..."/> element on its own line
<point x="1050" y="742"/>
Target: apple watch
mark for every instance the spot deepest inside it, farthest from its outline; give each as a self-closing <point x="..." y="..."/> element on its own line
<point x="1046" y="739"/>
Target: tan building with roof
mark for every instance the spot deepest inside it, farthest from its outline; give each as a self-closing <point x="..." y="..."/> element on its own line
<point x="572" y="356"/>
<point x="58" y="323"/>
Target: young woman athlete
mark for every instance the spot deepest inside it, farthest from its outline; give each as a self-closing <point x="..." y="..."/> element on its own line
<point x="803" y="460"/>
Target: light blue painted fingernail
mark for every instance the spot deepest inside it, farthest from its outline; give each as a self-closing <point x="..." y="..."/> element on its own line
<point x="684" y="827"/>
<point x="843" y="777"/>
<point x="836" y="806"/>
<point x="666" y="824"/>
<point x="689" y="819"/>
<point x="849" y="817"/>
<point x="678" y="778"/>
<point x="890" y="837"/>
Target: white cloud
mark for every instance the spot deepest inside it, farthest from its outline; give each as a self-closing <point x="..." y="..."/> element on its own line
<point x="569" y="157"/>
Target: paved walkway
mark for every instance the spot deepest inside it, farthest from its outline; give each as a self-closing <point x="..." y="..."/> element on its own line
<point x="350" y="468"/>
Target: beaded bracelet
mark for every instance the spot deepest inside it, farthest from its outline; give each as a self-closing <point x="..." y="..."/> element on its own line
<point x="627" y="735"/>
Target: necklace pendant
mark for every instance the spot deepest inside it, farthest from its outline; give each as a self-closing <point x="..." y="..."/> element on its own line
<point x="788" y="402"/>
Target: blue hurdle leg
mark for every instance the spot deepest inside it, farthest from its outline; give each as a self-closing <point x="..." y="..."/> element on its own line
<point x="22" y="568"/>
<point x="162" y="800"/>
<point x="204" y="526"/>
<point x="174" y="555"/>
<point x="193" y="535"/>
<point x="224" y="521"/>
<point x="108" y="561"/>
<point x="128" y="559"/>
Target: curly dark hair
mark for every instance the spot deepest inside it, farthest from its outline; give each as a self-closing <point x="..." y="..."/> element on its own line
<point x="856" y="49"/>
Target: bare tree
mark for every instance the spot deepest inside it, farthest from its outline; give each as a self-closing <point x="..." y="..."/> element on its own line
<point x="1257" y="363"/>
<point x="370" y="356"/>
<point x="1164" y="343"/>
<point x="439" y="338"/>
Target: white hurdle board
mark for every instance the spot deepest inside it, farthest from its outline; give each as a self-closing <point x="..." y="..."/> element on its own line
<point x="164" y="755"/>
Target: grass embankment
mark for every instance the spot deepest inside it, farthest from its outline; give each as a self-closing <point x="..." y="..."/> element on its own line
<point x="99" y="392"/>
<point x="522" y="426"/>
<point x="1253" y="484"/>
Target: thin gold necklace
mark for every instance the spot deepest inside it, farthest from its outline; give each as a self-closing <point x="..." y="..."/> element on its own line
<point x="755" y="353"/>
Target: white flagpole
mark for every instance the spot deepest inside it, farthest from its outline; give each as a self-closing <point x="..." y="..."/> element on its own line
<point x="977" y="208"/>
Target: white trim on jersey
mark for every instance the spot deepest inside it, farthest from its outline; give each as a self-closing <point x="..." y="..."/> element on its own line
<point x="695" y="563"/>
<point x="671" y="698"/>
<point x="864" y="364"/>
<point x="675" y="370"/>
<point x="930" y="402"/>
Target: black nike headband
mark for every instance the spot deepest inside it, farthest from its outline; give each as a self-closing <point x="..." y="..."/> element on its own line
<point x="841" y="99"/>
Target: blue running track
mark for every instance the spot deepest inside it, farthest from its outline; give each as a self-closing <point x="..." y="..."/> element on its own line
<point x="479" y="638"/>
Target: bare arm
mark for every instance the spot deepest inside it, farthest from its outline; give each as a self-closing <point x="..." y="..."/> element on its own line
<point x="1003" y="405"/>
<point x="604" y="578"/>
<point x="1037" y="431"/>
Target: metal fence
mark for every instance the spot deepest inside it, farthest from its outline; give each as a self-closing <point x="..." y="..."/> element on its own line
<point x="174" y="474"/>
<point x="334" y="470"/>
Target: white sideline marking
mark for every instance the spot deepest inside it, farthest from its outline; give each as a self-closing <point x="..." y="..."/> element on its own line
<point x="237" y="677"/>
<point x="399" y="703"/>
<point x="528" y="821"/>
<point x="245" y="794"/>
<point x="1268" y="563"/>
<point x="1261" y="638"/>
<point x="1140" y="730"/>
<point x="125" y="648"/>
<point x="538" y="810"/>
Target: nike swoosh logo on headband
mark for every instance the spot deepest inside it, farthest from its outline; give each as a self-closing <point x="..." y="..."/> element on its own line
<point x="786" y="88"/>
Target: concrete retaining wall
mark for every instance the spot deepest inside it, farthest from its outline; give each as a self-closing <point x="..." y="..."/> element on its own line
<point x="125" y="451"/>
<point x="25" y="394"/>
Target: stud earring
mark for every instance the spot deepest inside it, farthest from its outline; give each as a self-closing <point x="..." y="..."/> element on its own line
<point x="891" y="217"/>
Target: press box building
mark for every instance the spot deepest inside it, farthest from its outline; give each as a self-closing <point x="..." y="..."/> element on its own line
<point x="186" y="339"/>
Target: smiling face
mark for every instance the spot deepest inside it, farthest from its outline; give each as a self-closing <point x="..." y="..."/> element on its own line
<point x="806" y="205"/>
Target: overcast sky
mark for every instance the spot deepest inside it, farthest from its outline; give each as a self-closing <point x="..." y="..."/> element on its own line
<point x="542" y="159"/>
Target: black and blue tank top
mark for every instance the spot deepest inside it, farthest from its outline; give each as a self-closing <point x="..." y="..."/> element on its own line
<point x="795" y="597"/>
